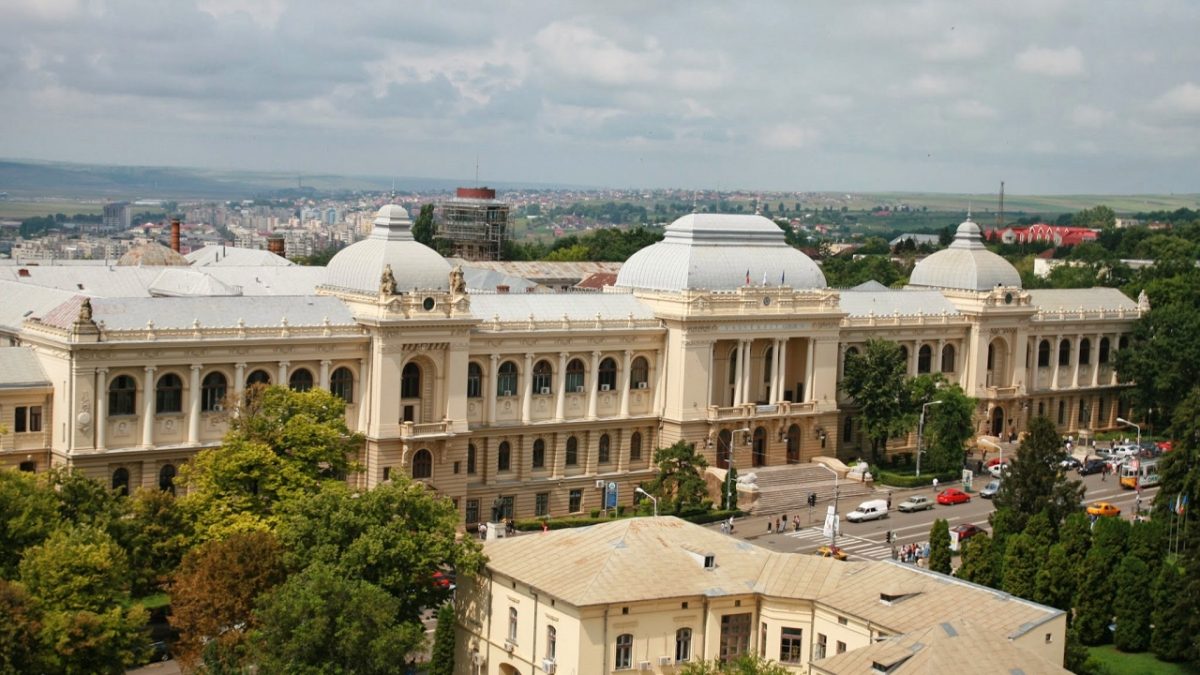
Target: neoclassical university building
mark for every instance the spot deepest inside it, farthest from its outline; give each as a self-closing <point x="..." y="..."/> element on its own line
<point x="721" y="335"/>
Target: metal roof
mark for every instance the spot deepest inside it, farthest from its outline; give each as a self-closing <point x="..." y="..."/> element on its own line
<point x="856" y="302"/>
<point x="414" y="266"/>
<point x="966" y="265"/>
<point x="1072" y="299"/>
<point x="20" y="368"/>
<point x="550" y="306"/>
<point x="219" y="312"/>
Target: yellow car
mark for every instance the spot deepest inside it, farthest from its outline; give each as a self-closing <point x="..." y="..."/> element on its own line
<point x="1103" y="509"/>
<point x="831" y="552"/>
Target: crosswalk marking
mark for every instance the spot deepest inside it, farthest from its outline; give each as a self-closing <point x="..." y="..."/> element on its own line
<point x="854" y="546"/>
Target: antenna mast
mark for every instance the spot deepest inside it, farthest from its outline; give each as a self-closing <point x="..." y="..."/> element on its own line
<point x="1000" y="213"/>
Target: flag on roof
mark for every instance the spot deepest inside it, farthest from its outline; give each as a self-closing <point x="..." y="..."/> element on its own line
<point x="747" y="276"/>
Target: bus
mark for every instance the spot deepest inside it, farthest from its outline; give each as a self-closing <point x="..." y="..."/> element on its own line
<point x="1138" y="473"/>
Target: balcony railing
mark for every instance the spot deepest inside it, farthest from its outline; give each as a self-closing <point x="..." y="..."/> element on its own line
<point x="425" y="429"/>
<point x="752" y="410"/>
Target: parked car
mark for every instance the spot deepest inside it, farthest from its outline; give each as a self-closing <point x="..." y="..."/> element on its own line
<point x="965" y="531"/>
<point x="916" y="503"/>
<point x="1069" y="462"/>
<point x="990" y="489"/>
<point x="443" y="580"/>
<point x="869" y="510"/>
<point x="998" y="470"/>
<point x="828" y="551"/>
<point x="1104" y="509"/>
<point x="953" y="496"/>
<point x="1091" y="466"/>
<point x="1125" y="450"/>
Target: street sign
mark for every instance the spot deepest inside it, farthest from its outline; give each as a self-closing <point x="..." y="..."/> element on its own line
<point x="610" y="496"/>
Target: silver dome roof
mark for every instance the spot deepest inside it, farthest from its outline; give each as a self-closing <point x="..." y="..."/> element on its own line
<point x="713" y="251"/>
<point x="966" y="264"/>
<point x="415" y="266"/>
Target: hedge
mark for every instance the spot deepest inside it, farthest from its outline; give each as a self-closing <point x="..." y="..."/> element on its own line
<point x="908" y="480"/>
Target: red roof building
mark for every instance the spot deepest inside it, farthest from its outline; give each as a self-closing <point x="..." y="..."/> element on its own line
<point x="1056" y="235"/>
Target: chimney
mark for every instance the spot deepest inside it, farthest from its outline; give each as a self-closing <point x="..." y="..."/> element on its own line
<point x="502" y="288"/>
<point x="175" y="235"/>
<point x="275" y="245"/>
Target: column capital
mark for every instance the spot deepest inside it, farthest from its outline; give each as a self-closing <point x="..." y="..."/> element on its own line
<point x="102" y="371"/>
<point x="596" y="354"/>
<point x="241" y="366"/>
<point x="528" y="356"/>
<point x="494" y="357"/>
<point x="628" y="352"/>
<point x="197" y="366"/>
<point x="563" y="355"/>
<point x="151" y="369"/>
<point x="285" y="363"/>
<point x="326" y="362"/>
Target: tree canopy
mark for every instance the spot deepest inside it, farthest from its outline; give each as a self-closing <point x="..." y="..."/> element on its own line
<point x="680" y="479"/>
<point x="876" y="380"/>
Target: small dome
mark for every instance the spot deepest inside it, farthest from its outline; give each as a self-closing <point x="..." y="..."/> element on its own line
<point x="359" y="267"/>
<point x="714" y="251"/>
<point x="152" y="254"/>
<point x="966" y="264"/>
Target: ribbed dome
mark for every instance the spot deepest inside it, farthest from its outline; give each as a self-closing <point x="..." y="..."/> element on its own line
<point x="415" y="266"/>
<point x="966" y="264"/>
<point x="713" y="251"/>
<point x="152" y="254"/>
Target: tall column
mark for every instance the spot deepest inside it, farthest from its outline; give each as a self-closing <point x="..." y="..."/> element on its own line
<point x="623" y="382"/>
<point x="490" y="389"/>
<point x="527" y="390"/>
<point x="1031" y="374"/>
<point x="782" y="359"/>
<point x="912" y="358"/>
<point x="593" y="383"/>
<point x="1094" y="361"/>
<point x="148" y="408"/>
<point x="841" y="364"/>
<point x="773" y="376"/>
<point x="560" y="456"/>
<point x="809" y="370"/>
<point x="364" y="410"/>
<point x="1075" y="360"/>
<point x="1112" y="358"/>
<point x="239" y="380"/>
<point x="283" y="373"/>
<point x="194" y="396"/>
<point x="560" y="402"/>
<point x="658" y="380"/>
<point x="747" y="378"/>
<point x="737" y="373"/>
<point x="936" y="366"/>
<point x="325" y="363"/>
<point x="1057" y="361"/>
<point x="101" y="408"/>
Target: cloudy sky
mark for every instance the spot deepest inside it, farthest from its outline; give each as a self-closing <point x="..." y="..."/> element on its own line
<point x="1051" y="96"/>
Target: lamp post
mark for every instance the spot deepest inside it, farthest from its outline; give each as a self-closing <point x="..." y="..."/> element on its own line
<point x="833" y="527"/>
<point x="729" y="471"/>
<point x="921" y="432"/>
<point x="1135" y="426"/>
<point x="654" y="499"/>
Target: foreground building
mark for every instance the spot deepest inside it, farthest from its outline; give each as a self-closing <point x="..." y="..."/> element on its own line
<point x="720" y="335"/>
<point x="649" y="594"/>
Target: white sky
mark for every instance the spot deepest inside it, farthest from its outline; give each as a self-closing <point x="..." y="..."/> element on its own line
<point x="1052" y="96"/>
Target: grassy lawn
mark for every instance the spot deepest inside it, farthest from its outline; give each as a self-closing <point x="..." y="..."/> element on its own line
<point x="1118" y="663"/>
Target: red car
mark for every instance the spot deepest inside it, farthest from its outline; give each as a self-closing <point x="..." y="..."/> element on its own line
<point x="966" y="531"/>
<point x="953" y="496"/>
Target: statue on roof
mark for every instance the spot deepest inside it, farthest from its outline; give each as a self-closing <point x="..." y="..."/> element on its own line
<point x="387" y="281"/>
<point x="85" y="310"/>
<point x="1143" y="301"/>
<point x="458" y="284"/>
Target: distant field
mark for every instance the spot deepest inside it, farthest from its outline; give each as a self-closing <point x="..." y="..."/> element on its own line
<point x="1044" y="204"/>
<point x="1118" y="663"/>
<point x="17" y="210"/>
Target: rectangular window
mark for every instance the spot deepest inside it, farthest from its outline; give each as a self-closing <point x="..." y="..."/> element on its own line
<point x="510" y="506"/>
<point x="19" y="420"/>
<point x="762" y="640"/>
<point x="576" y="501"/>
<point x="35" y="418"/>
<point x="735" y="636"/>
<point x="791" y="644"/>
<point x="541" y="504"/>
<point x="472" y="511"/>
<point x="819" y="649"/>
<point x="841" y="647"/>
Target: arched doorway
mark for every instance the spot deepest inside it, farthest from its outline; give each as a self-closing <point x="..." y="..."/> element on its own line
<point x="724" y="447"/>
<point x="997" y="421"/>
<point x="793" y="444"/>
<point x="760" y="447"/>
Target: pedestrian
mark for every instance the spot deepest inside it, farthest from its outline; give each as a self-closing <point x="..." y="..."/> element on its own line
<point x="935" y="483"/>
<point x="796" y="523"/>
<point x="785" y="520"/>
<point x="724" y="527"/>
<point x="768" y="526"/>
<point x="545" y="527"/>
<point x="889" y="500"/>
<point x="730" y="524"/>
<point x="777" y="528"/>
<point x="482" y="531"/>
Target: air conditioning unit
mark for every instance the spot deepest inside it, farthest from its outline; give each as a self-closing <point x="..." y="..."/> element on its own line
<point x="545" y="390"/>
<point x="600" y="484"/>
<point x="218" y="407"/>
<point x="664" y="660"/>
<point x="644" y="665"/>
<point x="579" y="389"/>
<point x="507" y="392"/>
<point x="642" y="385"/>
<point x="605" y="387"/>
<point x="508" y="647"/>
<point x="549" y="666"/>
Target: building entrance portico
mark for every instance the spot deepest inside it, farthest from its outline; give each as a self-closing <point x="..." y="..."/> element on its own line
<point x="997" y="421"/>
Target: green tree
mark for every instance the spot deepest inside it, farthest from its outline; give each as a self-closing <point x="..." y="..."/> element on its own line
<point x="1130" y="606"/>
<point x="213" y="595"/>
<point x="1093" y="602"/>
<point x="876" y="380"/>
<point x="441" y="661"/>
<point x="747" y="664"/>
<point x="1055" y="581"/>
<point x="1157" y="382"/>
<point x="156" y="534"/>
<point x="1021" y="558"/>
<point x="939" y="546"/>
<point x="84" y="501"/>
<point x="978" y="561"/>
<point x="1035" y="481"/>
<point x="77" y="568"/>
<point x="948" y="427"/>
<point x="422" y="227"/>
<point x="107" y="642"/>
<point x="320" y="621"/>
<point x="28" y="512"/>
<point x="1174" y="602"/>
<point x="1097" y="217"/>
<point x="19" y="630"/>
<point x="680" y="479"/>
<point x="1075" y="535"/>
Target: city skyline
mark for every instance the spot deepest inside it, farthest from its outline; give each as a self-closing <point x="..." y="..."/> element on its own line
<point x="1052" y="97"/>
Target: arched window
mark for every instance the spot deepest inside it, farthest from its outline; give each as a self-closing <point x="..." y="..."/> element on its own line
<point x="635" y="446"/>
<point x="474" y="380"/>
<point x="848" y="428"/>
<point x="1103" y="352"/>
<point x="608" y="375"/>
<point x="166" y="478"/>
<point x="300" y="380"/>
<point x="850" y="351"/>
<point x="624" y="659"/>
<point x="948" y="364"/>
<point x="551" y="642"/>
<point x="572" y="458"/>
<point x="410" y="381"/>
<point x="212" y="391"/>
<point x="1044" y="354"/>
<point x="258" y="377"/>
<point x="639" y="373"/>
<point x="422" y="464"/>
<point x="471" y="457"/>
<point x="1085" y="351"/>
<point x="168" y="394"/>
<point x="122" y="396"/>
<point x="539" y="454"/>
<point x="575" y="376"/>
<point x="543" y="375"/>
<point x="924" y="359"/>
<point x="341" y="384"/>
<point x="683" y="645"/>
<point x="1064" y="352"/>
<point x="120" y="481"/>
<point x="506" y="380"/>
<point x="605" y="448"/>
<point x="504" y="456"/>
<point x="512" y="624"/>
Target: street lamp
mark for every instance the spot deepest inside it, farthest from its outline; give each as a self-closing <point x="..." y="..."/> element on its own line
<point x="1135" y="426"/>
<point x="833" y="527"/>
<point x="921" y="431"/>
<point x="652" y="498"/>
<point x="729" y="470"/>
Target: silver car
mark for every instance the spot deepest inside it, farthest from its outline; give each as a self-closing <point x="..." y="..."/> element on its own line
<point x="916" y="503"/>
<point x="990" y="490"/>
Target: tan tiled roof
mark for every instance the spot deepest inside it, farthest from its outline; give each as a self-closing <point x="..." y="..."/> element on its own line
<point x="953" y="646"/>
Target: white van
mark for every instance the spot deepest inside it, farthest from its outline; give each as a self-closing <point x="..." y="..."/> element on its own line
<point x="870" y="510"/>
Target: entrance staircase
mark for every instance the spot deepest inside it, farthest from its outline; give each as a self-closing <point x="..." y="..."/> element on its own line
<point x="785" y="489"/>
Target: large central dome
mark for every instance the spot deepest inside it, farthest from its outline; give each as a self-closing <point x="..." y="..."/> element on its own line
<point x="966" y="264"/>
<point x="415" y="266"/>
<point x="718" y="252"/>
